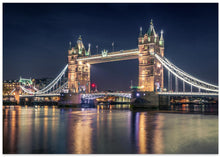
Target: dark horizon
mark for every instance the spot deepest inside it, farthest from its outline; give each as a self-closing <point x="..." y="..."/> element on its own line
<point x="36" y="38"/>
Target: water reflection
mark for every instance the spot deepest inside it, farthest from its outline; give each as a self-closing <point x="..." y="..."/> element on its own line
<point x="106" y="129"/>
<point x="80" y="132"/>
<point x="142" y="134"/>
<point x="147" y="132"/>
<point x="204" y="108"/>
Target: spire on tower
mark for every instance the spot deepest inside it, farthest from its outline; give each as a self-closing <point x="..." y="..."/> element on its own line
<point x="151" y="22"/>
<point x="161" y="37"/>
<point x="140" y="32"/>
<point x="80" y="38"/>
<point x="151" y="30"/>
<point x="161" y="42"/>
<point x="70" y="45"/>
<point x="80" y="43"/>
<point x="89" y="45"/>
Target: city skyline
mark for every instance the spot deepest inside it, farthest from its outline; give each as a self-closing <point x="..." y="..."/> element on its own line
<point x="46" y="37"/>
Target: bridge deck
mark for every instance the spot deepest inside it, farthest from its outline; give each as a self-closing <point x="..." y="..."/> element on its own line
<point x="187" y="94"/>
<point x="39" y="95"/>
<point x="111" y="57"/>
<point x="128" y="94"/>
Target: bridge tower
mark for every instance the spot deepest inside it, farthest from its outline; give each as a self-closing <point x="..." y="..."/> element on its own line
<point x="150" y="70"/>
<point x="78" y="71"/>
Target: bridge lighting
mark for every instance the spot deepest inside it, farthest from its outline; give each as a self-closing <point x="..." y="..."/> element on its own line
<point x="184" y="76"/>
<point x="135" y="51"/>
<point x="158" y="65"/>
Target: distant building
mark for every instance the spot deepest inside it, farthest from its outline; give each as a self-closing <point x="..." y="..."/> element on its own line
<point x="9" y="86"/>
<point x="42" y="83"/>
<point x="26" y="82"/>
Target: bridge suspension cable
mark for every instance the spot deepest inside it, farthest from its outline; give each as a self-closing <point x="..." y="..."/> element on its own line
<point x="12" y="91"/>
<point x="54" y="82"/>
<point x="185" y="76"/>
<point x="26" y="90"/>
<point x="49" y="86"/>
<point x="188" y="75"/>
<point x="58" y="90"/>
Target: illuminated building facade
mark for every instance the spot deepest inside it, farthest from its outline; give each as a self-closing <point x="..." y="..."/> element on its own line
<point x="9" y="86"/>
<point x="78" y="71"/>
<point x="11" y="89"/>
<point x="150" y="70"/>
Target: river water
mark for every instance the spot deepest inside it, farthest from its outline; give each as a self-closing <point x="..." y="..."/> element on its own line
<point x="110" y="129"/>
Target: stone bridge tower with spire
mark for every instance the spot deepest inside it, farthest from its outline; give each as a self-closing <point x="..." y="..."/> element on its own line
<point x="150" y="70"/>
<point x="78" y="71"/>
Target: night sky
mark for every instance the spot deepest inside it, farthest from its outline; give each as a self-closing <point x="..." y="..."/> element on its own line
<point x="36" y="38"/>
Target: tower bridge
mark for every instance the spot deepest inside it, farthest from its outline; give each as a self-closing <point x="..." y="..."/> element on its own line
<point x="150" y="69"/>
<point x="152" y="63"/>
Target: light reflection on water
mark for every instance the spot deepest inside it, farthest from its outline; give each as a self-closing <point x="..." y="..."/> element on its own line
<point x="106" y="129"/>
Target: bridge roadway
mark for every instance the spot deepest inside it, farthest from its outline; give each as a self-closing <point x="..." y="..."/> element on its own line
<point x="111" y="57"/>
<point x="128" y="94"/>
<point x="188" y="94"/>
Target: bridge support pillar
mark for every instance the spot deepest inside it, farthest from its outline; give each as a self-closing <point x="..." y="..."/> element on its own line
<point x="164" y="102"/>
<point x="148" y="100"/>
<point x="70" y="99"/>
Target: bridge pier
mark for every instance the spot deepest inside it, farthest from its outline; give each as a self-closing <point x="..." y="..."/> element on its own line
<point x="149" y="100"/>
<point x="26" y="101"/>
<point x="164" y="102"/>
<point x="70" y="99"/>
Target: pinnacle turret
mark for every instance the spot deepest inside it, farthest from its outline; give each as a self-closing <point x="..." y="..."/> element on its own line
<point x="80" y="43"/>
<point x="88" y="52"/>
<point x="70" y="45"/>
<point x="80" y="38"/>
<point x="161" y="37"/>
<point x="140" y="35"/>
<point x="151" y="30"/>
<point x="161" y="42"/>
